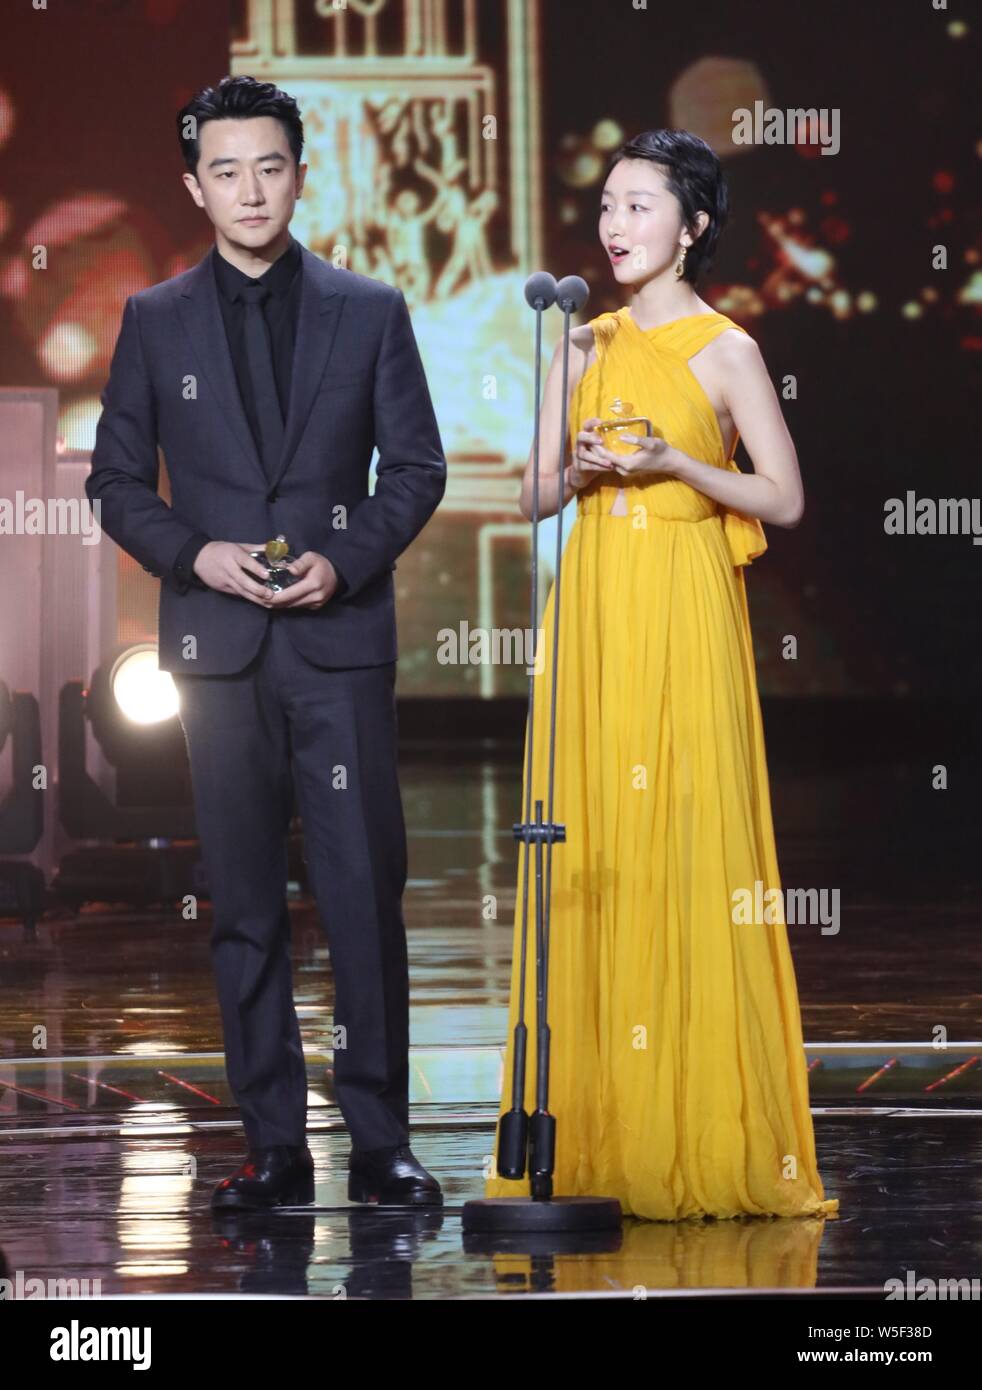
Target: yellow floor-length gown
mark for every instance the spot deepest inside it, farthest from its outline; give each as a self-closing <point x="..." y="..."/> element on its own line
<point x="678" y="1076"/>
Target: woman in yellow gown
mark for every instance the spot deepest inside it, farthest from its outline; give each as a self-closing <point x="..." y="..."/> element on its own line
<point x="678" y="1077"/>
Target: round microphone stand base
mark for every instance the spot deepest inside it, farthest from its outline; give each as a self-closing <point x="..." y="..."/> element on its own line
<point x="498" y="1215"/>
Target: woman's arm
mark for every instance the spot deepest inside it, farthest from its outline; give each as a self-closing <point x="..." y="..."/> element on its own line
<point x="773" y="492"/>
<point x="580" y="341"/>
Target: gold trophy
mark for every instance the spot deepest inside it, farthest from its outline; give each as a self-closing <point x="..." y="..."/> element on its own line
<point x="274" y="555"/>
<point x="624" y="419"/>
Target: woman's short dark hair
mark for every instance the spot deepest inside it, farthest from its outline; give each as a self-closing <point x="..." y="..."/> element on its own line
<point x="237" y="98"/>
<point x="695" y="176"/>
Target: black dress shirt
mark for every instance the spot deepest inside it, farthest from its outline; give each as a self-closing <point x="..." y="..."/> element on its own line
<point x="281" y="309"/>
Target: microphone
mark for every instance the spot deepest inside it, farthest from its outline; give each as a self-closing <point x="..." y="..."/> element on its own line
<point x="540" y="291"/>
<point x="572" y="293"/>
<point x="530" y="1140"/>
<point x="524" y="1139"/>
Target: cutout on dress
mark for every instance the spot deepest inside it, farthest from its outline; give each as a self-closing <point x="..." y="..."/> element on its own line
<point x="622" y="417"/>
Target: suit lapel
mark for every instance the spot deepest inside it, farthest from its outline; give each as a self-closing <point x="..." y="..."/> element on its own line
<point x="321" y="302"/>
<point x="317" y="323"/>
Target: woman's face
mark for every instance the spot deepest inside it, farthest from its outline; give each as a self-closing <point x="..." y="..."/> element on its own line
<point x="640" y="214"/>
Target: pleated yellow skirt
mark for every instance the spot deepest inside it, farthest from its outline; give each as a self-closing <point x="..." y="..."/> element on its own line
<point x="678" y="1076"/>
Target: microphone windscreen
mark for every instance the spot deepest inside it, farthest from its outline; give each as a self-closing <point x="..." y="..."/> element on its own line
<point x="540" y="289"/>
<point x="572" y="293"/>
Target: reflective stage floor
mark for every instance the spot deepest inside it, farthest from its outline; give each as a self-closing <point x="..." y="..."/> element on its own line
<point x="116" y="1122"/>
<point x="126" y="1203"/>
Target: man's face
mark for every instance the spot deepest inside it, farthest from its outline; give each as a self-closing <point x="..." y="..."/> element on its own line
<point x="247" y="182"/>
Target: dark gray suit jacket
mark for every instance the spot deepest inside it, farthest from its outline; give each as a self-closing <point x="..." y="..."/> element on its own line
<point x="358" y="382"/>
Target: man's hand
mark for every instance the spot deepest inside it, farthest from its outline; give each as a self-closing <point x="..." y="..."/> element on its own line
<point x="227" y="565"/>
<point x="316" y="583"/>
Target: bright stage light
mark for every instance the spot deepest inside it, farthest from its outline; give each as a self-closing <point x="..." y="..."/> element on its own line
<point x="144" y="693"/>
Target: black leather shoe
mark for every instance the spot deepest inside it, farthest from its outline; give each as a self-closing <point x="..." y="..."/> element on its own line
<point x="280" y="1176"/>
<point x="392" y="1177"/>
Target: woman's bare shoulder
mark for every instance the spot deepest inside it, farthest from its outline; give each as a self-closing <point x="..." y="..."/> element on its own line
<point x="730" y="350"/>
<point x="582" y="339"/>
<point x="582" y="336"/>
<point x="582" y="352"/>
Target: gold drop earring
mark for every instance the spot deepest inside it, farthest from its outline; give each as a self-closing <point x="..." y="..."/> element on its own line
<point x="680" y="264"/>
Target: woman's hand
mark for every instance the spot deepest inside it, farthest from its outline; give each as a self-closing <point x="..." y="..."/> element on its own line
<point x="654" y="455"/>
<point x="588" y="458"/>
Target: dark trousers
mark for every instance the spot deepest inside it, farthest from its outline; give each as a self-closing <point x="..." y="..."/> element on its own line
<point x="251" y="737"/>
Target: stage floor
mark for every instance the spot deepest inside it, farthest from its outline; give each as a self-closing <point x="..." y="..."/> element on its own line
<point x="116" y="1123"/>
<point x="130" y="1208"/>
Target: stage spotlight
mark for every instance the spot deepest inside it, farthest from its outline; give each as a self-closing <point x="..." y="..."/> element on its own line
<point x="139" y="801"/>
<point x="142" y="797"/>
<point x="131" y="706"/>
<point x="144" y="693"/>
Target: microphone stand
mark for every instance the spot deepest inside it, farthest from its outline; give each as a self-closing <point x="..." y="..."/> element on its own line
<point x="518" y="1135"/>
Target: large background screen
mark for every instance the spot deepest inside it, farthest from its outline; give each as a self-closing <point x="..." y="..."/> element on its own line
<point x="453" y="148"/>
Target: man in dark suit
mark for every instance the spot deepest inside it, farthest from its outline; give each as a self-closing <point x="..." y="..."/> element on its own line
<point x="267" y="377"/>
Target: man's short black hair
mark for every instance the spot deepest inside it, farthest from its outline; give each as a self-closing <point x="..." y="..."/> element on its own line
<point x="237" y="98"/>
<point x="695" y="177"/>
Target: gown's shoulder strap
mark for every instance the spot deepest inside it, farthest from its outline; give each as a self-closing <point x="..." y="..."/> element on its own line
<point x="691" y="335"/>
<point x="604" y="327"/>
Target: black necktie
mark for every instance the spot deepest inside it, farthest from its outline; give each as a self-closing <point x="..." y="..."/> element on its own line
<point x="260" y="358"/>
